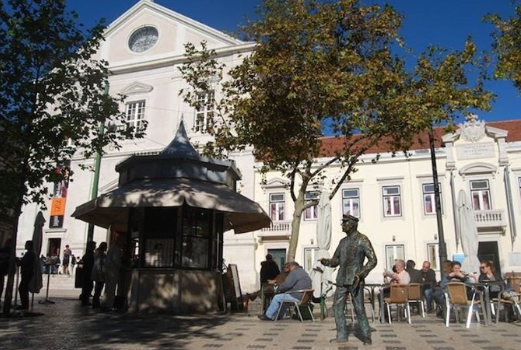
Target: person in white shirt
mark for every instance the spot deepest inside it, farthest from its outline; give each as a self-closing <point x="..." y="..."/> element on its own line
<point x="400" y="276"/>
<point x="112" y="271"/>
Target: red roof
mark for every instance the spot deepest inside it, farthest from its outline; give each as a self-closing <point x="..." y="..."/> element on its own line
<point x="330" y="144"/>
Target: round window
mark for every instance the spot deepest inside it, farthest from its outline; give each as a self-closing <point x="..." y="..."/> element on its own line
<point x="143" y="39"/>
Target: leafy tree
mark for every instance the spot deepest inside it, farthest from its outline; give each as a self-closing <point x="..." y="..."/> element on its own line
<point x="52" y="103"/>
<point x="316" y="65"/>
<point x="506" y="45"/>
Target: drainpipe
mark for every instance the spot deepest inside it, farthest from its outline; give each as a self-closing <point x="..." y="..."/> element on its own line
<point x="510" y="207"/>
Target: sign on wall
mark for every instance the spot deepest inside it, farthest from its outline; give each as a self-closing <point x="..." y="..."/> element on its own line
<point x="59" y="198"/>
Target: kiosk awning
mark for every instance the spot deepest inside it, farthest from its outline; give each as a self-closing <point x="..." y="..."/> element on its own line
<point x="241" y="214"/>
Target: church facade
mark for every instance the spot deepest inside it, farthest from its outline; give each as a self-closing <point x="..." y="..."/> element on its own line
<point x="393" y="198"/>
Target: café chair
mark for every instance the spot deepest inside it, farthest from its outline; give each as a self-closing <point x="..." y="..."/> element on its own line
<point x="400" y="297"/>
<point x="506" y="303"/>
<point x="367" y="300"/>
<point x="456" y="299"/>
<point x="515" y="282"/>
<point x="416" y="297"/>
<point x="304" y="302"/>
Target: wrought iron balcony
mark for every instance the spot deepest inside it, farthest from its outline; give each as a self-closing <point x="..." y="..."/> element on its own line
<point x="490" y="218"/>
<point x="276" y="229"/>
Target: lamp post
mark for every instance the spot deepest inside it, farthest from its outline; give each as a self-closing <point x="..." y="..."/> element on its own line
<point x="442" y="247"/>
<point x="95" y="184"/>
<point x="95" y="181"/>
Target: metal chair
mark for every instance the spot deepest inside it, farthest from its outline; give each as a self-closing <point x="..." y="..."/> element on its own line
<point x="400" y="297"/>
<point x="367" y="300"/>
<point x="305" y="301"/>
<point x="456" y="299"/>
<point x="515" y="283"/>
<point x="416" y="296"/>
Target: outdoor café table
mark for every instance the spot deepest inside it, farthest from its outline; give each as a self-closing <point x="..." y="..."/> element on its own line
<point x="484" y="286"/>
<point x="372" y="287"/>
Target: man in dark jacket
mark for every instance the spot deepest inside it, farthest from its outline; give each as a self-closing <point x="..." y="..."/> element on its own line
<point x="350" y="255"/>
<point x="269" y="269"/>
<point x="5" y="253"/>
<point x="416" y="275"/>
<point x="27" y="272"/>
<point x="428" y="280"/>
<point x="88" y="264"/>
<point x="297" y="279"/>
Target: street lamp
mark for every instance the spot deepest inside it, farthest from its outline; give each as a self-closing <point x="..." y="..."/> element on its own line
<point x="97" y="165"/>
<point x="442" y="247"/>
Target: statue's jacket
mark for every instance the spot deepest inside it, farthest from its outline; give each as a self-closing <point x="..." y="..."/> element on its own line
<point x="350" y="255"/>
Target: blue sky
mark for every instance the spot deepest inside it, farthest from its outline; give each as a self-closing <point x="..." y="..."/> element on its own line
<point x="446" y="23"/>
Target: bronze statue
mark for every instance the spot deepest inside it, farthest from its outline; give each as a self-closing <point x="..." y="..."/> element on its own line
<point x="350" y="255"/>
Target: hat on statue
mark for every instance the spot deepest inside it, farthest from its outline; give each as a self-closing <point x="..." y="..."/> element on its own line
<point x="347" y="217"/>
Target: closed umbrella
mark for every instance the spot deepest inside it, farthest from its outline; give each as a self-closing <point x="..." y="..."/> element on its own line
<point x="36" y="284"/>
<point x="322" y="275"/>
<point x="468" y="233"/>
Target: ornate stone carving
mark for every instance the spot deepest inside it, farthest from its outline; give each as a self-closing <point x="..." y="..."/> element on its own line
<point x="473" y="129"/>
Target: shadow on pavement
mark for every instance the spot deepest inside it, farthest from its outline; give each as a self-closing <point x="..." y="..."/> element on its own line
<point x="67" y="325"/>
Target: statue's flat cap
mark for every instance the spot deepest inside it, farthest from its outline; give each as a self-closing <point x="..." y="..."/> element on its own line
<point x="347" y="217"/>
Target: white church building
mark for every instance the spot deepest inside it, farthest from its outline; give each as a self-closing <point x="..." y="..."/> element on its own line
<point x="393" y="198"/>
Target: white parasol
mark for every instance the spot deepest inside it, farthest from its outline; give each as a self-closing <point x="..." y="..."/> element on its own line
<point x="468" y="234"/>
<point x="322" y="275"/>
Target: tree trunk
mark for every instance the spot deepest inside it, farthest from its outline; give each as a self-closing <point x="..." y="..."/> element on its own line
<point x="17" y="208"/>
<point x="12" y="261"/>
<point x="295" y="228"/>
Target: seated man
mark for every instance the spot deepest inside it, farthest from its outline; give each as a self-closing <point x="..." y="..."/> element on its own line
<point x="414" y="274"/>
<point x="438" y="291"/>
<point x="428" y="281"/>
<point x="399" y="277"/>
<point x="268" y="289"/>
<point x="297" y="279"/>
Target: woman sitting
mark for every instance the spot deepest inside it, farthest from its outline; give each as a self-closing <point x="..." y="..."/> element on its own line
<point x="488" y="273"/>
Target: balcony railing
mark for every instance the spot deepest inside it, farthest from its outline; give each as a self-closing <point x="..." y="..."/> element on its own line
<point x="276" y="229"/>
<point x="490" y="218"/>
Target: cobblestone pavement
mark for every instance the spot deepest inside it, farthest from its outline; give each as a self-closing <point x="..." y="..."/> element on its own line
<point x="66" y="325"/>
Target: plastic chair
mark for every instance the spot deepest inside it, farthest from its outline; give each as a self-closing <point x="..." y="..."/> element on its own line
<point x="456" y="298"/>
<point x="400" y="297"/>
<point x="416" y="296"/>
<point x="305" y="301"/>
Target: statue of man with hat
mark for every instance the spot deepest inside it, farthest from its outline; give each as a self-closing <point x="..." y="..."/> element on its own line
<point x="350" y="255"/>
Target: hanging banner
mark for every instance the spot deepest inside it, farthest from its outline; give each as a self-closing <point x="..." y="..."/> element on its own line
<point x="59" y="199"/>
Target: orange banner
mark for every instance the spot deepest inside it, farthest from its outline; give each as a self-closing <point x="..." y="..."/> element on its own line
<point x="58" y="206"/>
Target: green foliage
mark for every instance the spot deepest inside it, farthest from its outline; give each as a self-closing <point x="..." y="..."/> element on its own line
<point x="329" y="63"/>
<point x="506" y="46"/>
<point x="52" y="97"/>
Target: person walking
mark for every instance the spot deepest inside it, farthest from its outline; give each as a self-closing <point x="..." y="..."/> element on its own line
<point x="66" y="260"/>
<point x="98" y="273"/>
<point x="113" y="266"/>
<point x="27" y="272"/>
<point x="350" y="255"/>
<point x="73" y="263"/>
<point x="88" y="264"/>
<point x="5" y="253"/>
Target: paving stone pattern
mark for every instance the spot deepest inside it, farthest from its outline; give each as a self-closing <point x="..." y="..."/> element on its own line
<point x="67" y="325"/>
